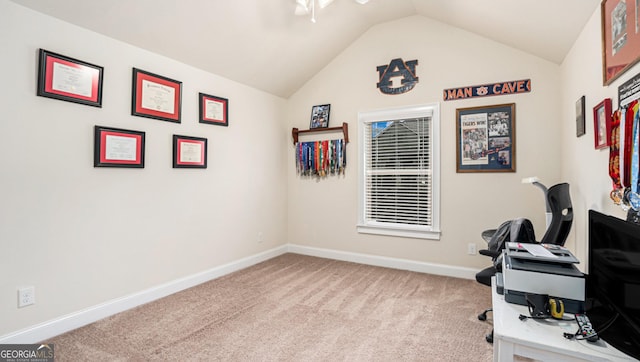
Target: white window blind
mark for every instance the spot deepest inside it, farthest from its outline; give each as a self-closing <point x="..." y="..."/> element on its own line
<point x="398" y="175"/>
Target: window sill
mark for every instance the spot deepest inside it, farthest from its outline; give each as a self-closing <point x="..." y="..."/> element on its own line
<point x="405" y="233"/>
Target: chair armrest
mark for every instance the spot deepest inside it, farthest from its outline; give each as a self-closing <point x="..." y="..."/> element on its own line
<point x="491" y="253"/>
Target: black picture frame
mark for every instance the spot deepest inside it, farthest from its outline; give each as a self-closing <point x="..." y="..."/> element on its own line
<point x="213" y="110"/>
<point x="320" y="116"/>
<point x="155" y="96"/>
<point x="580" y="117"/>
<point x="486" y="138"/>
<point x="68" y="79"/>
<point x="189" y="152"/>
<point x="116" y="147"/>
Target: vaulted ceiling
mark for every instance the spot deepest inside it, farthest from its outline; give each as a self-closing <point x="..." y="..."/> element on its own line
<point x="261" y="43"/>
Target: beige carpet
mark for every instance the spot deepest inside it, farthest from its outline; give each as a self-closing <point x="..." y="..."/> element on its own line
<point x="297" y="308"/>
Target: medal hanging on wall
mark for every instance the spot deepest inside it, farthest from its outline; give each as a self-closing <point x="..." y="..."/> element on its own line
<point x="634" y="197"/>
<point x="614" y="159"/>
<point x="624" y="157"/>
<point x="627" y="124"/>
<point x="321" y="158"/>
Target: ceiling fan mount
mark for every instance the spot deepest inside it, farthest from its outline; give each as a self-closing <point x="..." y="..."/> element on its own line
<point x="306" y="7"/>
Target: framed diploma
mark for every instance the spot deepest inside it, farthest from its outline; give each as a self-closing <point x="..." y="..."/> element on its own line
<point x="486" y="138"/>
<point x="114" y="147"/>
<point x="189" y="152"/>
<point x="155" y="96"/>
<point x="214" y="110"/>
<point x="67" y="79"/>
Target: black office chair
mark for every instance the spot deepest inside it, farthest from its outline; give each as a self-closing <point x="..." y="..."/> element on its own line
<point x="558" y="200"/>
<point x="518" y="230"/>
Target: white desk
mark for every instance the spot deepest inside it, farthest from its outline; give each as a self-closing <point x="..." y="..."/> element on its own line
<point x="541" y="339"/>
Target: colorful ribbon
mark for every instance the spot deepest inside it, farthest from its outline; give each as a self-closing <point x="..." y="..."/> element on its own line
<point x="321" y="158"/>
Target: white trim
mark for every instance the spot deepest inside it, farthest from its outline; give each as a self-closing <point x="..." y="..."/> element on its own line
<point x="48" y="329"/>
<point x="391" y="114"/>
<point x="431" y="110"/>
<point x="66" y="323"/>
<point x="387" y="262"/>
<point x="402" y="232"/>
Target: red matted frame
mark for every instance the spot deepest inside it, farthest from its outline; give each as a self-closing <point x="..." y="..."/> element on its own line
<point x="115" y="147"/>
<point x="155" y="96"/>
<point x="68" y="79"/>
<point x="214" y="110"/>
<point x="620" y="38"/>
<point x="189" y="152"/>
<point x="602" y="118"/>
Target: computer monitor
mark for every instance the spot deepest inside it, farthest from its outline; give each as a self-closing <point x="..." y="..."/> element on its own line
<point x="613" y="281"/>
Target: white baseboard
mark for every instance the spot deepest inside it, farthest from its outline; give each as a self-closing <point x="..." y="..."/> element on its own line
<point x="383" y="261"/>
<point x="49" y="329"/>
<point x="43" y="331"/>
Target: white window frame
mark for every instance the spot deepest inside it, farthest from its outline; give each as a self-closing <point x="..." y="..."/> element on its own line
<point x="431" y="110"/>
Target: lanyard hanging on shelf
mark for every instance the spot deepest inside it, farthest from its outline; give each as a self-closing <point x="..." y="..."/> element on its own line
<point x="634" y="197"/>
<point x="615" y="157"/>
<point x="321" y="158"/>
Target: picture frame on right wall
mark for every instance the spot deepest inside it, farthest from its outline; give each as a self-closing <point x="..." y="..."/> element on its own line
<point x="602" y="118"/>
<point x="580" y="118"/>
<point x="620" y="38"/>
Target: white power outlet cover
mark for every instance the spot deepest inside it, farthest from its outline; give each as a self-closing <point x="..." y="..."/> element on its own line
<point x="26" y="296"/>
<point x="471" y="249"/>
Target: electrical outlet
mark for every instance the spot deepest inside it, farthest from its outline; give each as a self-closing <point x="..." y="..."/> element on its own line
<point x="260" y="237"/>
<point x="471" y="249"/>
<point x="26" y="296"/>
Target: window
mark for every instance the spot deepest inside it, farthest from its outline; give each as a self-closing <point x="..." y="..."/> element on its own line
<point x="399" y="178"/>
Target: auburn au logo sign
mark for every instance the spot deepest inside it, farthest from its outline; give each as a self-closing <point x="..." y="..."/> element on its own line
<point x="397" y="68"/>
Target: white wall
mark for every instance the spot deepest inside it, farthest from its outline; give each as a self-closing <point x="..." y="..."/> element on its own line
<point x="83" y="235"/>
<point x="586" y="168"/>
<point x="323" y="213"/>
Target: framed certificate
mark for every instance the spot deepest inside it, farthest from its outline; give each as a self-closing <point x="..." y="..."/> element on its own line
<point x="114" y="147"/>
<point x="189" y="152"/>
<point x="155" y="96"/>
<point x="214" y="110"/>
<point x="67" y="79"/>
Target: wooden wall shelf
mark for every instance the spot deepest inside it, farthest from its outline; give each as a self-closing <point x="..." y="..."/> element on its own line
<point x="345" y="130"/>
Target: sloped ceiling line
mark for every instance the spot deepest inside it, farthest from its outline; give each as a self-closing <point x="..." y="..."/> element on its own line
<point x="217" y="35"/>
